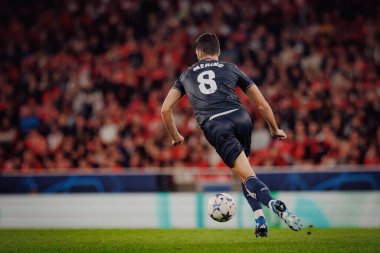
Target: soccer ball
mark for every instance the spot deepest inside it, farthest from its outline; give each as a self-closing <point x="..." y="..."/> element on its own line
<point x="221" y="207"/>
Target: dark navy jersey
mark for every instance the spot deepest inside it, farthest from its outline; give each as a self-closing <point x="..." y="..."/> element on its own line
<point x="210" y="86"/>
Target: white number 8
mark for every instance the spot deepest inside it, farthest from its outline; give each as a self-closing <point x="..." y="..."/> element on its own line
<point x="211" y="88"/>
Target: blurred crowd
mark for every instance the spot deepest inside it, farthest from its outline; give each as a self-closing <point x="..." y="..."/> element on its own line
<point x="82" y="82"/>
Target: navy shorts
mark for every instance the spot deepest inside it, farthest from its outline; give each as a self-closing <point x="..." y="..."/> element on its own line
<point x="229" y="134"/>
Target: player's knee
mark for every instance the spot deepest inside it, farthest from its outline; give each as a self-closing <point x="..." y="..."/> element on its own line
<point x="242" y="168"/>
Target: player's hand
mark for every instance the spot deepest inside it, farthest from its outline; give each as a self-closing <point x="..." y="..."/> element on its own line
<point x="278" y="133"/>
<point x="178" y="141"/>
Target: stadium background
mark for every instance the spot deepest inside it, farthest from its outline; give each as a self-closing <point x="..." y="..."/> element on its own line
<point x="82" y="82"/>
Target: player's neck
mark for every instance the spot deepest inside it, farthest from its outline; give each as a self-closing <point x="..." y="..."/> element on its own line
<point x="210" y="58"/>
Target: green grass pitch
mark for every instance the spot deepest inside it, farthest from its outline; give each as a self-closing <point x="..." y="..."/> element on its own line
<point x="188" y="240"/>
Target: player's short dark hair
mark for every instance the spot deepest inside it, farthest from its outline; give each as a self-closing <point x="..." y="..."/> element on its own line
<point x="208" y="43"/>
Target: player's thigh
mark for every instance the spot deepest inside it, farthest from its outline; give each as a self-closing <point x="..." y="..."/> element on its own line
<point x="242" y="169"/>
<point x="217" y="131"/>
<point x="220" y="133"/>
<point x="243" y="130"/>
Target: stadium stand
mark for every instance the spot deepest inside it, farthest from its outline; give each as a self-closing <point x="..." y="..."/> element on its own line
<point x="82" y="82"/>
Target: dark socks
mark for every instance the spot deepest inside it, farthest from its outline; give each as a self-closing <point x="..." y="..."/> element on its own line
<point x="259" y="189"/>
<point x="255" y="205"/>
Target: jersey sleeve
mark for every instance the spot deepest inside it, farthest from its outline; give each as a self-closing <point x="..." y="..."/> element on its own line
<point x="244" y="82"/>
<point x="178" y="85"/>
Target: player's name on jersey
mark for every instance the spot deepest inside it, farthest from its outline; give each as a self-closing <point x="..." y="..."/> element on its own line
<point x="205" y="65"/>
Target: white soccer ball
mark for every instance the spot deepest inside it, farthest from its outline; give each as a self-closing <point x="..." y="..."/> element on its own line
<point x="221" y="207"/>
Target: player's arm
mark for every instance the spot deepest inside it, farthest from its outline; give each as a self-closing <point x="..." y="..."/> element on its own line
<point x="169" y="104"/>
<point x="265" y="110"/>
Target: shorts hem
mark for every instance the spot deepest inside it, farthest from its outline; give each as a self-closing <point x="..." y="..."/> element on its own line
<point x="234" y="156"/>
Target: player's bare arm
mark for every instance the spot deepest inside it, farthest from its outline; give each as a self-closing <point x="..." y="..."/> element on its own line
<point x="266" y="111"/>
<point x="169" y="104"/>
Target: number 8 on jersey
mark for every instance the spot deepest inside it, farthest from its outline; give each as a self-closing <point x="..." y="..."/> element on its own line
<point x="209" y="81"/>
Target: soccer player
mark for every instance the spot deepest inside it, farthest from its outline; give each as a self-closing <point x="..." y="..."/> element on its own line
<point x="210" y="86"/>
